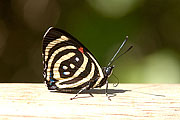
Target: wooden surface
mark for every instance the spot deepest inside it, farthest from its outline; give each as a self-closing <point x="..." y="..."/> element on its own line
<point x="132" y="102"/>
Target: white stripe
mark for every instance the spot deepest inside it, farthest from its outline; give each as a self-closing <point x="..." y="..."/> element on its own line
<point x="52" y="58"/>
<point x="57" y="64"/>
<point x="84" y="80"/>
<point x="77" y="73"/>
<point x="52" y="44"/>
<point x="99" y="69"/>
<point x="47" y="32"/>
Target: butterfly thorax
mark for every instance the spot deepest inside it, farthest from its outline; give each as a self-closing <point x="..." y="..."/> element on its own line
<point x="107" y="71"/>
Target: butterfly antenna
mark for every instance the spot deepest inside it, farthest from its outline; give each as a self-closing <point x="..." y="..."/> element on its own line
<point x="112" y="60"/>
<point x="123" y="53"/>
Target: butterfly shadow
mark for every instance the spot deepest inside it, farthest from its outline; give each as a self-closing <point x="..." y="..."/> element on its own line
<point x="111" y="92"/>
<point x="95" y="91"/>
<point x="102" y="91"/>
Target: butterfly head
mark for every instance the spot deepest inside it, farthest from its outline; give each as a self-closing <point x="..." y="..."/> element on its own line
<point x="108" y="70"/>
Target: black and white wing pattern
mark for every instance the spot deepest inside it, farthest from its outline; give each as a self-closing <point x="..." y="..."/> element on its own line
<point x="68" y="65"/>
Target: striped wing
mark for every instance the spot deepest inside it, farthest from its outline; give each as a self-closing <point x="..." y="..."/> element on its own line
<point x="67" y="63"/>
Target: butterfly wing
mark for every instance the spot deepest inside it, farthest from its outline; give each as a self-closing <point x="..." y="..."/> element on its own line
<point x="68" y="64"/>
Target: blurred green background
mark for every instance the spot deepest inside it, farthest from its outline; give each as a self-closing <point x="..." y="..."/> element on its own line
<point x="153" y="27"/>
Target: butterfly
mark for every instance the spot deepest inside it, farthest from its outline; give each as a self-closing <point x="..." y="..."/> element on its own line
<point x="69" y="66"/>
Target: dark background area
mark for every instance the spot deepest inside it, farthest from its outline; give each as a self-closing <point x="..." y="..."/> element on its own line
<point x="153" y="28"/>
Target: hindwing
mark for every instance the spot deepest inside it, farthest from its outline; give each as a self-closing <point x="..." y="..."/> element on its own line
<point x="68" y="64"/>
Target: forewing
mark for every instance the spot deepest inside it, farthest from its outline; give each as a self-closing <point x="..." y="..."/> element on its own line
<point x="67" y="62"/>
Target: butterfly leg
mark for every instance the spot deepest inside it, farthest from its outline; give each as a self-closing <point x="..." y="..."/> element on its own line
<point x="91" y="94"/>
<point x="80" y="92"/>
<point x="90" y="87"/>
<point x="106" y="91"/>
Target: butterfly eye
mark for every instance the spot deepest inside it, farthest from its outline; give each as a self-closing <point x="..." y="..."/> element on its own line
<point x="76" y="59"/>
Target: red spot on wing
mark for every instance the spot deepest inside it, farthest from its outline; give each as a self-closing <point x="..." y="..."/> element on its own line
<point x="81" y="50"/>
